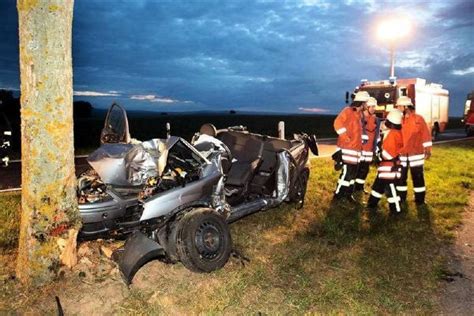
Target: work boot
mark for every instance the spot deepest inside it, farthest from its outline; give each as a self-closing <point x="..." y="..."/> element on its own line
<point x="355" y="200"/>
<point x="423" y="213"/>
<point x="337" y="198"/>
<point x="357" y="196"/>
<point x="394" y="215"/>
<point x="404" y="206"/>
<point x="366" y="214"/>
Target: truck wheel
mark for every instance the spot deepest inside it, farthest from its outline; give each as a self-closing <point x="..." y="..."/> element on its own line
<point x="434" y="132"/>
<point x="203" y="240"/>
<point x="469" y="131"/>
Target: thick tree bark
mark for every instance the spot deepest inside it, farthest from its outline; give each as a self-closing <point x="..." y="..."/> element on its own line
<point x="50" y="218"/>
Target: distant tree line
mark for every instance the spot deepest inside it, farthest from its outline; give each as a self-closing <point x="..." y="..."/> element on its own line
<point x="82" y="109"/>
<point x="10" y="108"/>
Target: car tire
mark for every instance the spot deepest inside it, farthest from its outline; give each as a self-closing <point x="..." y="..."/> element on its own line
<point x="299" y="191"/>
<point x="203" y="242"/>
<point x="167" y="239"/>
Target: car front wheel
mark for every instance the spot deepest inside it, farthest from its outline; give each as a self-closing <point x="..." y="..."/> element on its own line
<point x="203" y="240"/>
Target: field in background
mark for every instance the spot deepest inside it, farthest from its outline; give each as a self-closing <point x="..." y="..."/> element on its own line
<point x="147" y="125"/>
<point x="87" y="130"/>
<point x="320" y="259"/>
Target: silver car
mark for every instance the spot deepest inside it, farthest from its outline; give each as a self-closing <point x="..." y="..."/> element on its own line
<point x="173" y="199"/>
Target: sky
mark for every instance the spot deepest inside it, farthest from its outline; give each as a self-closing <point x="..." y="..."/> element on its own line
<point x="297" y="56"/>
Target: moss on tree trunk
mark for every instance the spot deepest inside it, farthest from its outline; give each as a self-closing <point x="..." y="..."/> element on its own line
<point x="50" y="218"/>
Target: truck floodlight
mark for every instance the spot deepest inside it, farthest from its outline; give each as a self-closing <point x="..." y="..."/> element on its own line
<point x="394" y="29"/>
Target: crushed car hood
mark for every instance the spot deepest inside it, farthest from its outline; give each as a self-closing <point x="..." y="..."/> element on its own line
<point x="131" y="164"/>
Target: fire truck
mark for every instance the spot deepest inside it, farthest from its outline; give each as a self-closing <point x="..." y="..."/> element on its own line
<point x="468" y="118"/>
<point x="430" y="99"/>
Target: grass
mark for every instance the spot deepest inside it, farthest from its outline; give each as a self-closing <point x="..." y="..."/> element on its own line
<point x="320" y="259"/>
<point x="9" y="220"/>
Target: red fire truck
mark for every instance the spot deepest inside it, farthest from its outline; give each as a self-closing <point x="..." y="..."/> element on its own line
<point x="430" y="99"/>
<point x="468" y="118"/>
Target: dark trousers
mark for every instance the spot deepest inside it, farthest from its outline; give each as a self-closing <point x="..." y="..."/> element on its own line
<point x="417" y="175"/>
<point x="362" y="172"/>
<point x="345" y="183"/>
<point x="386" y="186"/>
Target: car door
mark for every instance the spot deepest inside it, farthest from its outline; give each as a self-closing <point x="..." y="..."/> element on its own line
<point x="116" y="128"/>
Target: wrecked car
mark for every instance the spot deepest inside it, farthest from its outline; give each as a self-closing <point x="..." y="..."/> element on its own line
<point x="174" y="200"/>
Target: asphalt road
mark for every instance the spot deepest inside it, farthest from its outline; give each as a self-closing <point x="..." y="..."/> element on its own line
<point x="10" y="177"/>
<point x="327" y="145"/>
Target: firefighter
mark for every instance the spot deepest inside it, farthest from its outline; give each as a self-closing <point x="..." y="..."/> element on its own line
<point x="389" y="168"/>
<point x="348" y="126"/>
<point x="370" y="126"/>
<point x="417" y="148"/>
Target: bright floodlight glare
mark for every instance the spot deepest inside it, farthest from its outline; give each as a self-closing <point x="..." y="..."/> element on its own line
<point x="393" y="29"/>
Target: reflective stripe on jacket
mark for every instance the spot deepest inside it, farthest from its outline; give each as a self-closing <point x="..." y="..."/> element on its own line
<point x="366" y="156"/>
<point x="391" y="148"/>
<point x="413" y="160"/>
<point x="348" y="126"/>
<point x="350" y="156"/>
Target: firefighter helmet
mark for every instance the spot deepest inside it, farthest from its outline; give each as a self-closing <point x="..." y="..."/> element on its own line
<point x="372" y="102"/>
<point x="362" y="96"/>
<point x="404" y="101"/>
<point x="395" y="117"/>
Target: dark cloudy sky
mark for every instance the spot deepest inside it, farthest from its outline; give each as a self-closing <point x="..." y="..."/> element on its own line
<point x="282" y="56"/>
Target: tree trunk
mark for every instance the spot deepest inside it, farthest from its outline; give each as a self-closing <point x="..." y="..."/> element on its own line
<point x="50" y="218"/>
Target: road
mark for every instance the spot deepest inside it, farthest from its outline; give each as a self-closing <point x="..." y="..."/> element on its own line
<point x="10" y="177"/>
<point x="327" y="145"/>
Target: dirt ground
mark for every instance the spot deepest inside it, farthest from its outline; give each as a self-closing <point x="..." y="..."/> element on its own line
<point x="95" y="285"/>
<point x="457" y="295"/>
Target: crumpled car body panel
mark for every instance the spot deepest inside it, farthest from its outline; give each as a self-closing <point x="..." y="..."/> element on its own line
<point x="131" y="164"/>
<point x="124" y="170"/>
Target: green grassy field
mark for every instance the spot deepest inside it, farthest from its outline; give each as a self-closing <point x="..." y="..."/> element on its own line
<point x="320" y="259"/>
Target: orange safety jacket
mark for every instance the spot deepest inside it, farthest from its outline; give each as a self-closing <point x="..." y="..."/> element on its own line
<point x="416" y="139"/>
<point x="368" y="137"/>
<point x="392" y="145"/>
<point x="348" y="126"/>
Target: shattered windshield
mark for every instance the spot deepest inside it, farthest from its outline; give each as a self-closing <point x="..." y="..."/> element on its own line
<point x="116" y="121"/>
<point x="181" y="154"/>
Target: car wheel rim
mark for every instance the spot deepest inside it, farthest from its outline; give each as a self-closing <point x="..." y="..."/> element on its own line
<point x="208" y="240"/>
